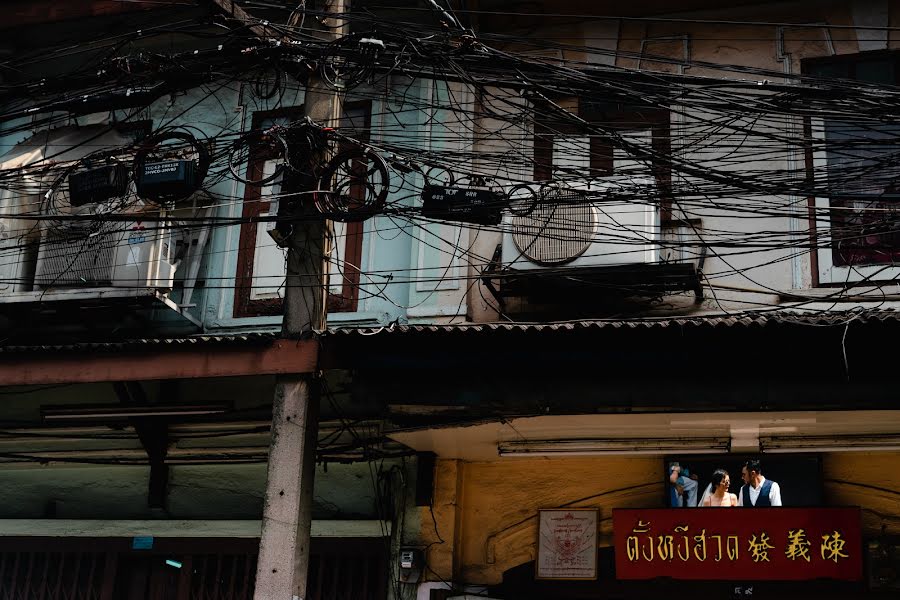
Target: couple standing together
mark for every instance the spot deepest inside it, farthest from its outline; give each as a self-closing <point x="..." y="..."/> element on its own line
<point x="757" y="491"/>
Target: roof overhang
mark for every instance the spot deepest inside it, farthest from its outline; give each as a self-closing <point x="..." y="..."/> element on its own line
<point x="142" y="360"/>
<point x="661" y="434"/>
<point x="86" y="313"/>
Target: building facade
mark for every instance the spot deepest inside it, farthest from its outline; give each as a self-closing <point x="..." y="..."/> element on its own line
<point x="676" y="244"/>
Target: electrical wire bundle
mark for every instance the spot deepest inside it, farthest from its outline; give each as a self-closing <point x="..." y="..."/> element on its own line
<point x="747" y="152"/>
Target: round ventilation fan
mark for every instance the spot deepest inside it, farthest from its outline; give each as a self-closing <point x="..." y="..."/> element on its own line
<point x="556" y="232"/>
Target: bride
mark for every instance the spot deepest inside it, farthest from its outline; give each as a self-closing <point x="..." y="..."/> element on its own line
<point x="716" y="493"/>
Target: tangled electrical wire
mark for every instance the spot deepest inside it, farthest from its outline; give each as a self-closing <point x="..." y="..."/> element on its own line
<point x="747" y="152"/>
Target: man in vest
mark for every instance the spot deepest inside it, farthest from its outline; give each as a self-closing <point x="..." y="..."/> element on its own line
<point x="757" y="490"/>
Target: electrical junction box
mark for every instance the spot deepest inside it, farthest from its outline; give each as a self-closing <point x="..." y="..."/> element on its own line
<point x="409" y="558"/>
<point x="174" y="178"/>
<point x="411" y="563"/>
<point x="480" y="206"/>
<point x="97" y="185"/>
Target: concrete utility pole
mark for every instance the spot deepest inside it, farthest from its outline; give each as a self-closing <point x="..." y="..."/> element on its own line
<point x="283" y="562"/>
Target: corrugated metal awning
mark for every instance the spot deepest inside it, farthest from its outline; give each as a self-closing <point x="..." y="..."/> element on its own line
<point x="197" y="341"/>
<point x="743" y="320"/>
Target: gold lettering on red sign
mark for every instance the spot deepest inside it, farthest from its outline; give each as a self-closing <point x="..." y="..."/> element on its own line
<point x="649" y="545"/>
<point x="632" y="545"/>
<point x="718" y="539"/>
<point x="641" y="527"/>
<point x="759" y="549"/>
<point x="798" y="545"/>
<point x="731" y="546"/>
<point x="700" y="545"/>
<point x="686" y="546"/>
<point x="664" y="547"/>
<point x="833" y="546"/>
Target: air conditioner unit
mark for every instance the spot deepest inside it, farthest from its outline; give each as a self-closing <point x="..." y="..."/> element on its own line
<point x="132" y="254"/>
<point x="28" y="170"/>
<point x="606" y="223"/>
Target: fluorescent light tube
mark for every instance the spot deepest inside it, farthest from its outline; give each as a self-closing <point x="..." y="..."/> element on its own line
<point x="829" y="443"/>
<point x="597" y="446"/>
<point x="107" y="412"/>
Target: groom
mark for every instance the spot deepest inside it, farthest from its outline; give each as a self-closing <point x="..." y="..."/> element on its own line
<point x="757" y="491"/>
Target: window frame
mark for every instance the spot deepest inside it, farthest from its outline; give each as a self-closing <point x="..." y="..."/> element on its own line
<point x="825" y="272"/>
<point x="621" y="118"/>
<point x="246" y="306"/>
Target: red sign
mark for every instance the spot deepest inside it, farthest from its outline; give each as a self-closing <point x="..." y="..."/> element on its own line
<point x="738" y="544"/>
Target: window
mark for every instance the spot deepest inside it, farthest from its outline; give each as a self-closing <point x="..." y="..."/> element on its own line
<point x="259" y="289"/>
<point x="565" y="150"/>
<point x="860" y="217"/>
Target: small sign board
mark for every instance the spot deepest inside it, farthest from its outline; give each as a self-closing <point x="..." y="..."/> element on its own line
<point x="142" y="542"/>
<point x="567" y="544"/>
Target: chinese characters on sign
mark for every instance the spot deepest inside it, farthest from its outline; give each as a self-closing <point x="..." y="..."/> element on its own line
<point x="567" y="544"/>
<point x="762" y="544"/>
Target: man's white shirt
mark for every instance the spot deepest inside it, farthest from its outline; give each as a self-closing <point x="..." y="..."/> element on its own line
<point x="774" y="493"/>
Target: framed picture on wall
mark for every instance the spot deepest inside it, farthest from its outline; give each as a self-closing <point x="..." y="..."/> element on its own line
<point x="567" y="544"/>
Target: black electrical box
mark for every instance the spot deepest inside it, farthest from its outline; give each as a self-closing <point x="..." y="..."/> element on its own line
<point x="96" y="185"/>
<point x="468" y="205"/>
<point x="170" y="179"/>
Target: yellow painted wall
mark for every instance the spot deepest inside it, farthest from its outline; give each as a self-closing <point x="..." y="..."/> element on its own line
<point x="486" y="513"/>
<point x="870" y="480"/>
<point x="490" y="524"/>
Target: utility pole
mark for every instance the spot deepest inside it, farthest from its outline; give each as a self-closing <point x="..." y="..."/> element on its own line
<point x="283" y="562"/>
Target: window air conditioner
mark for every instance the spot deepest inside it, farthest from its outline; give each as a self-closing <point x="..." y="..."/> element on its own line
<point x="28" y="170"/>
<point x="603" y="223"/>
<point x="131" y="254"/>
